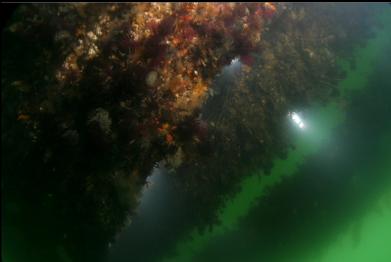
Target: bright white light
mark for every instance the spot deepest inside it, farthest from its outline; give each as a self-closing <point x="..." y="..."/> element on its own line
<point x="233" y="67"/>
<point x="297" y="120"/>
<point x="234" y="61"/>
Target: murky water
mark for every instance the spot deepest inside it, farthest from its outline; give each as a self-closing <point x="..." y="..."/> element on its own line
<point x="325" y="188"/>
<point x="327" y="199"/>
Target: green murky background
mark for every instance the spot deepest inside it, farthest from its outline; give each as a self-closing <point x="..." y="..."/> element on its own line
<point x="363" y="231"/>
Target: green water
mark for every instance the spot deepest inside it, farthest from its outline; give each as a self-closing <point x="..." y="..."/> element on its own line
<point x="323" y="120"/>
<point x="374" y="230"/>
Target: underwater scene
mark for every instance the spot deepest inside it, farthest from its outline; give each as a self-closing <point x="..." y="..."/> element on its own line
<point x="186" y="132"/>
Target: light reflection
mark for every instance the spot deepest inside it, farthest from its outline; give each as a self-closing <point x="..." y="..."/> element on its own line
<point x="297" y="120"/>
<point x="233" y="67"/>
<point x="234" y="61"/>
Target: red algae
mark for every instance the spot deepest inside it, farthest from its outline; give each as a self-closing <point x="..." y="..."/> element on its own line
<point x="182" y="41"/>
<point x="247" y="60"/>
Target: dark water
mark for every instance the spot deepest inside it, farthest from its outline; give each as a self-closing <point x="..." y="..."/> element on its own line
<point x="299" y="216"/>
<point x="160" y="217"/>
